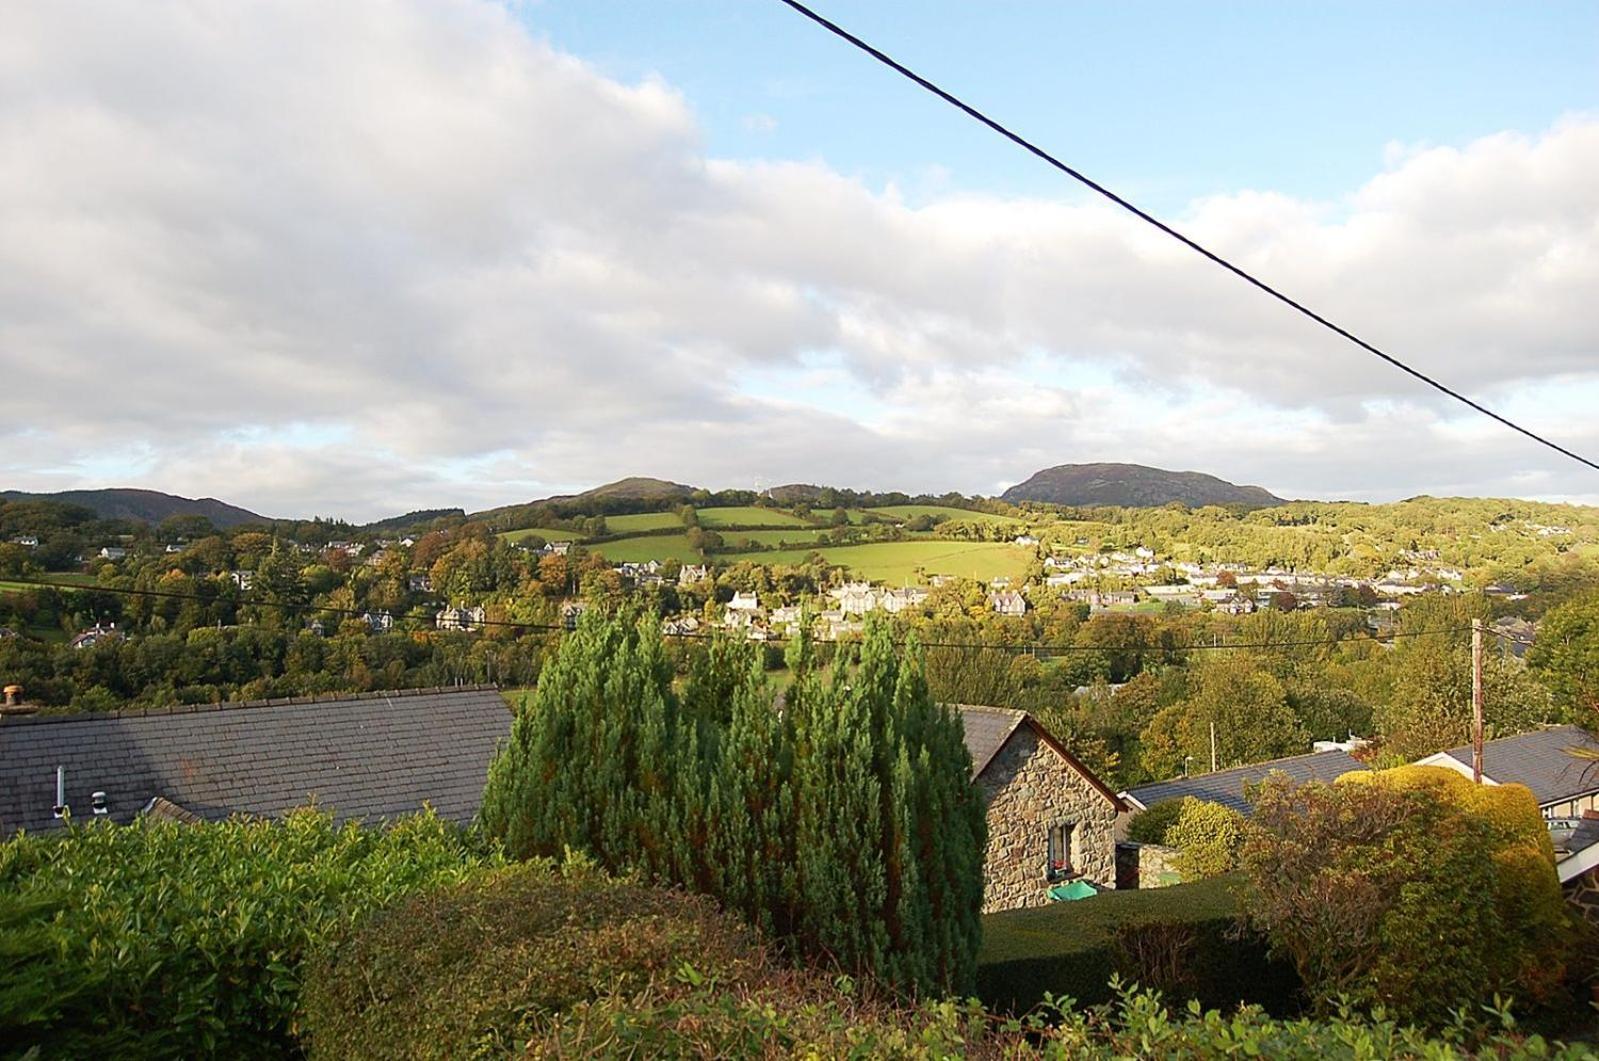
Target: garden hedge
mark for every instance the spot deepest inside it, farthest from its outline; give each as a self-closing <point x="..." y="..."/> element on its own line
<point x="1184" y="940"/>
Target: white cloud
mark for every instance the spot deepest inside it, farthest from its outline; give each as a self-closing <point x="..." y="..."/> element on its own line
<point x="367" y="256"/>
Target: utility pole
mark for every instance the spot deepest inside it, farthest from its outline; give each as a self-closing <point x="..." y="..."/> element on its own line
<point x="1213" y="747"/>
<point x="1476" y="700"/>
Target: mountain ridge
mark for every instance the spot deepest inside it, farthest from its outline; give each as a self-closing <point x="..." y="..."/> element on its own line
<point x="1134" y="486"/>
<point x="144" y="506"/>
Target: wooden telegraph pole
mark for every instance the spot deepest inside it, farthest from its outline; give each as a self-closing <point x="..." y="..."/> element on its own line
<point x="1476" y="700"/>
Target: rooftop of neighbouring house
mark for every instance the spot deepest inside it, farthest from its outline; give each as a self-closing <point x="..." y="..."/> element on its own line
<point x="368" y="756"/>
<point x="1227" y="786"/>
<point x="1543" y="760"/>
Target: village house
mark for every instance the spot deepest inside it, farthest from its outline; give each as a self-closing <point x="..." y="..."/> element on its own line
<point x="1050" y="820"/>
<point x="112" y="552"/>
<point x="681" y="626"/>
<point x="1550" y="761"/>
<point x="571" y="612"/>
<point x="462" y="618"/>
<point x="689" y="574"/>
<point x="895" y="601"/>
<point x="96" y="635"/>
<point x="744" y="602"/>
<point x="1008" y="602"/>
<point x="242" y="579"/>
<point x="419" y="583"/>
<point x="366" y="757"/>
<point x="788" y="615"/>
<point x="1560" y="765"/>
<point x="27" y="541"/>
<point x="855" y="598"/>
<point x="378" y="622"/>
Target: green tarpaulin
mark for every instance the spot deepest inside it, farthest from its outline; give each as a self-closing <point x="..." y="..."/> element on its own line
<point x="1077" y="889"/>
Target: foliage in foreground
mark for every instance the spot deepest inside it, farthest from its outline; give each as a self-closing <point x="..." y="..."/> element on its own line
<point x="170" y="940"/>
<point x="1409" y="889"/>
<point x="538" y="963"/>
<point x="845" y="825"/>
<point x="797" y="1016"/>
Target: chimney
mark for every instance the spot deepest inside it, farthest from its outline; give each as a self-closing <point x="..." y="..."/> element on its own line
<point x="13" y="703"/>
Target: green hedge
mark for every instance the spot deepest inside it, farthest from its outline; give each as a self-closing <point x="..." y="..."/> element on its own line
<point x="478" y="968"/>
<point x="163" y="940"/>
<point x="1149" y="826"/>
<point x="1183" y="940"/>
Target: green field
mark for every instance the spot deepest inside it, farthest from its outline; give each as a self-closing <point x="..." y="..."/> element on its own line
<point x="77" y="578"/>
<point x="896" y="562"/>
<point x="637" y="550"/>
<point x="641" y="521"/>
<point x="907" y="511"/>
<point x="549" y="534"/>
<point x="774" y="537"/>
<point x="749" y="516"/>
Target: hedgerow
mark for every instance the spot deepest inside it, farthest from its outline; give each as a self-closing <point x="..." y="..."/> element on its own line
<point x="477" y="968"/>
<point x="166" y="940"/>
<point x="1183" y="939"/>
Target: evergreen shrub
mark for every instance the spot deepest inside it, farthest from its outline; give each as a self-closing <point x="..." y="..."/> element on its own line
<point x="842" y="822"/>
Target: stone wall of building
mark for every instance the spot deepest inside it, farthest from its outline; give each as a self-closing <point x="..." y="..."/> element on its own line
<point x="1583" y="893"/>
<point x="1030" y="789"/>
<point x="1145" y="865"/>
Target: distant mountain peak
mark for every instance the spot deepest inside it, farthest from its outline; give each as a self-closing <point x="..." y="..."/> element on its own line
<point x="145" y="506"/>
<point x="1134" y="486"/>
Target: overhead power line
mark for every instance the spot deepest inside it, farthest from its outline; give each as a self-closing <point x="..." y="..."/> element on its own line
<point x="1035" y="647"/>
<point x="1150" y="219"/>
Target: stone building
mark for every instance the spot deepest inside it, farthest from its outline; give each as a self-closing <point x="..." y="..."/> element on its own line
<point x="1050" y="820"/>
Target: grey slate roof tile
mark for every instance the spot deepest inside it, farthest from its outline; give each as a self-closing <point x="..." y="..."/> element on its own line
<point x="1542" y="761"/>
<point x="1227" y="786"/>
<point x="368" y="757"/>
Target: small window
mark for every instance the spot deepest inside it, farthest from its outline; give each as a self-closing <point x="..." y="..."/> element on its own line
<point x="1062" y="851"/>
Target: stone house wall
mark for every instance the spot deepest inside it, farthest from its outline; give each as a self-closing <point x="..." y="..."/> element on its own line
<point x="1145" y="865"/>
<point x="1582" y="892"/>
<point x="1029" y="789"/>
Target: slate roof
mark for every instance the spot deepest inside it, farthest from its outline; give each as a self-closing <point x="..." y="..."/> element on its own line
<point x="988" y="729"/>
<point x="370" y="756"/>
<point x="1540" y="761"/>
<point x="1227" y="786"/>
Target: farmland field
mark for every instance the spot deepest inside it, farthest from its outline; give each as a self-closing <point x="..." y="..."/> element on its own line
<point x="641" y="521"/>
<point x="775" y="537"/>
<point x="749" y="516"/>
<point x="907" y="511"/>
<point x="636" y="550"/>
<point x="896" y="562"/>
<point x="549" y="534"/>
<point x="77" y="578"/>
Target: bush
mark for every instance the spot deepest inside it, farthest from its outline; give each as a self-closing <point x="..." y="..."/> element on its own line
<point x="1149" y="825"/>
<point x="1207" y="837"/>
<point x="1183" y="939"/>
<point x="477" y="968"/>
<point x="1412" y="889"/>
<point x="170" y="940"/>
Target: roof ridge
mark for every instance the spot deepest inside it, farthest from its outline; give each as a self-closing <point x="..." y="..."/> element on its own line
<point x="10" y="721"/>
<point x="1245" y="766"/>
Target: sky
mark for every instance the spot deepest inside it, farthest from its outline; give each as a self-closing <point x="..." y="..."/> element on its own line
<point x="359" y="258"/>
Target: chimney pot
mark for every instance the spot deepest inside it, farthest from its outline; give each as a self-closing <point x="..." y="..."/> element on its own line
<point x="13" y="695"/>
